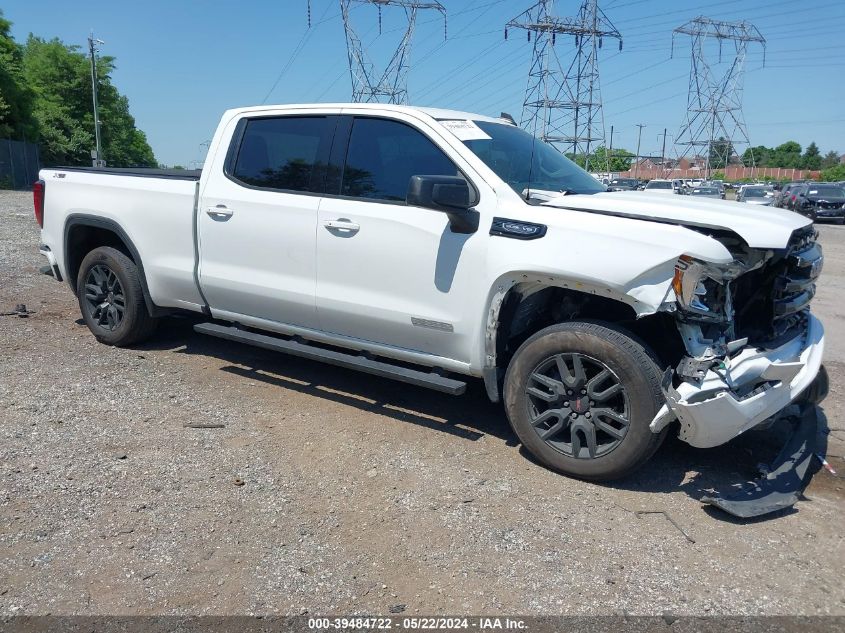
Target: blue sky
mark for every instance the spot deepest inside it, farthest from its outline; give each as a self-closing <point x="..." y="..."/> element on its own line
<point x="181" y="63"/>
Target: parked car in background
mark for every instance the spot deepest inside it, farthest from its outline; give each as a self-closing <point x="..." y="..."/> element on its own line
<point x="786" y="194"/>
<point x="659" y="185"/>
<point x="718" y="184"/>
<point x="623" y="184"/>
<point x="756" y="194"/>
<point x="706" y="192"/>
<point x="820" y="201"/>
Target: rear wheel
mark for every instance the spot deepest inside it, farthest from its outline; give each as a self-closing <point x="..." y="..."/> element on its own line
<point x="580" y="397"/>
<point x="111" y="300"/>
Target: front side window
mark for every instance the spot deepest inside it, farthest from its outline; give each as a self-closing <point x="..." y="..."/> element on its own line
<point x="283" y="153"/>
<point x="382" y="157"/>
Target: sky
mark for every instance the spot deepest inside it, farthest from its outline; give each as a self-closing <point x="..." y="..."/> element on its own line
<point x="182" y="63"/>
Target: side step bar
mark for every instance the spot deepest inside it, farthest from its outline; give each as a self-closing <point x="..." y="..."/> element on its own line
<point x="349" y="360"/>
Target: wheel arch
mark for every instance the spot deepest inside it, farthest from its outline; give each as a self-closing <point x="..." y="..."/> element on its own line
<point x="520" y="304"/>
<point x="83" y="233"/>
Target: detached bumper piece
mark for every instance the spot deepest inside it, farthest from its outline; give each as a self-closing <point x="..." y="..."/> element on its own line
<point x="787" y="478"/>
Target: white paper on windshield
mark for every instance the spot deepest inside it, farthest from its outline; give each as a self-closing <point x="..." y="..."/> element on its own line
<point x="465" y="130"/>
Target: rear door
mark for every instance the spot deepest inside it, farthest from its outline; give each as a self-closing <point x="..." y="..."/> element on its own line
<point x="388" y="272"/>
<point x="257" y="219"/>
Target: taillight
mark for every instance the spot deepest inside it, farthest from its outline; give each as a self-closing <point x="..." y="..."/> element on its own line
<point x="38" y="201"/>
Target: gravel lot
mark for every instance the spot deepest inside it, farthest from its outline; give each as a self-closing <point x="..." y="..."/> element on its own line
<point x="327" y="491"/>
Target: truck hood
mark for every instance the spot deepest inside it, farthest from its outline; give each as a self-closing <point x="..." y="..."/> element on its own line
<point x="760" y="227"/>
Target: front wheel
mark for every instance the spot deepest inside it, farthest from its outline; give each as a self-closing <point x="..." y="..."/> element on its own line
<point x="580" y="397"/>
<point x="111" y="300"/>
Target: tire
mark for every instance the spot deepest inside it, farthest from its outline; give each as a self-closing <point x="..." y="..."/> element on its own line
<point x="625" y="400"/>
<point x="108" y="288"/>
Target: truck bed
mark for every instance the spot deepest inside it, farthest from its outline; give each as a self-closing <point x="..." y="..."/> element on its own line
<point x="154" y="209"/>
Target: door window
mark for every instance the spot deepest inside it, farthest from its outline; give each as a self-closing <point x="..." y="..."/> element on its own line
<point x="382" y="157"/>
<point x="286" y="153"/>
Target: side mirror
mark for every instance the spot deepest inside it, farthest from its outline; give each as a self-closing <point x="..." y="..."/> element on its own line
<point x="450" y="194"/>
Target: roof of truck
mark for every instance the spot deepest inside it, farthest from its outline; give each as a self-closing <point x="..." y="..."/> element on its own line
<point x="436" y="113"/>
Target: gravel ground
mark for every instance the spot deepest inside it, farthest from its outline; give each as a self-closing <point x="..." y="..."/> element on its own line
<point x="326" y="491"/>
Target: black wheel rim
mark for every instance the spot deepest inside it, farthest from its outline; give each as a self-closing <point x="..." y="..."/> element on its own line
<point x="577" y="405"/>
<point x="104" y="297"/>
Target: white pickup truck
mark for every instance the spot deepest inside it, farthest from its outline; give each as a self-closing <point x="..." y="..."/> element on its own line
<point x="434" y="246"/>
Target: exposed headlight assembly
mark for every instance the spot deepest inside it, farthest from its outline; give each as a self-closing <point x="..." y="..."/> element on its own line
<point x="701" y="288"/>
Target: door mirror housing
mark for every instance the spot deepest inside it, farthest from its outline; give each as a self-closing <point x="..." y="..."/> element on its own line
<point x="452" y="195"/>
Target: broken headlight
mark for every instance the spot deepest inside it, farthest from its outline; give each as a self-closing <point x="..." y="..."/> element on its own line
<point x="700" y="288"/>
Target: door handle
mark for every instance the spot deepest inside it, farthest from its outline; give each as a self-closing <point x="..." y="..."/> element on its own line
<point x="220" y="212"/>
<point x="342" y="225"/>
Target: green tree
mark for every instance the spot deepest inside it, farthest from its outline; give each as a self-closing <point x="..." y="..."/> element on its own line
<point x="721" y="151"/>
<point x="834" y="174"/>
<point x="756" y="156"/>
<point x="619" y="160"/>
<point x="831" y="159"/>
<point x="787" y="155"/>
<point x="812" y="157"/>
<point x="16" y="120"/>
<point x="59" y="76"/>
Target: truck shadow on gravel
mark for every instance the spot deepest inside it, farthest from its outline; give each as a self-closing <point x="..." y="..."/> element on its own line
<point x="676" y="465"/>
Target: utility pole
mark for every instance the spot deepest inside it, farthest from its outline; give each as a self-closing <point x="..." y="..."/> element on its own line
<point x="663" y="151"/>
<point x="562" y="103"/>
<point x="98" y="152"/>
<point x="639" y="138"/>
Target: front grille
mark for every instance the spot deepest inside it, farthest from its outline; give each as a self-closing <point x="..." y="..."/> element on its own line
<point x="771" y="303"/>
<point x="829" y="205"/>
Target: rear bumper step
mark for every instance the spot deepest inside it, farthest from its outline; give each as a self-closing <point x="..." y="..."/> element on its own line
<point x="349" y="360"/>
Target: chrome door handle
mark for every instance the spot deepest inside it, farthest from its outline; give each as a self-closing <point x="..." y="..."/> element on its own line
<point x="220" y="212"/>
<point x="342" y="225"/>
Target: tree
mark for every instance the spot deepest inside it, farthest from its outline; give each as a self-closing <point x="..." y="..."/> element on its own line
<point x="786" y="155"/>
<point x="59" y="76"/>
<point x="834" y="174"/>
<point x="831" y="159"/>
<point x="16" y="119"/>
<point x="812" y="157"/>
<point x="721" y="152"/>
<point x="756" y="156"/>
<point x="619" y="160"/>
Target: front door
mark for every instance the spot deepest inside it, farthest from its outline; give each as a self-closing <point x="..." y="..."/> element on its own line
<point x="257" y="222"/>
<point x="388" y="272"/>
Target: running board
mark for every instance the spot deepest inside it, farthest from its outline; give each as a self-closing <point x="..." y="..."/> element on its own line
<point x="299" y="347"/>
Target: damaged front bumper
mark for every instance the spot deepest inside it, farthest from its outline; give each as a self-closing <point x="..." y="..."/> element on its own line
<point x="744" y="391"/>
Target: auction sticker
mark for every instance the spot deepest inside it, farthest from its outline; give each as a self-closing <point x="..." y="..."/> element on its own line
<point x="465" y="130"/>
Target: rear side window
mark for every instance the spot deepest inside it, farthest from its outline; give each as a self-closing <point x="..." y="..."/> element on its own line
<point x="382" y="157"/>
<point x="284" y="153"/>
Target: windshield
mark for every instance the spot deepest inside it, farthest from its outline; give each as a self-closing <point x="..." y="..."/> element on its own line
<point x="705" y="191"/>
<point x="827" y="190"/>
<point x="508" y="151"/>
<point x="626" y="182"/>
<point x="659" y="184"/>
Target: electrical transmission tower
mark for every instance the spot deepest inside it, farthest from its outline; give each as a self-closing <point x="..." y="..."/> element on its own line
<point x="563" y="107"/>
<point x="390" y="85"/>
<point x="714" y="121"/>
